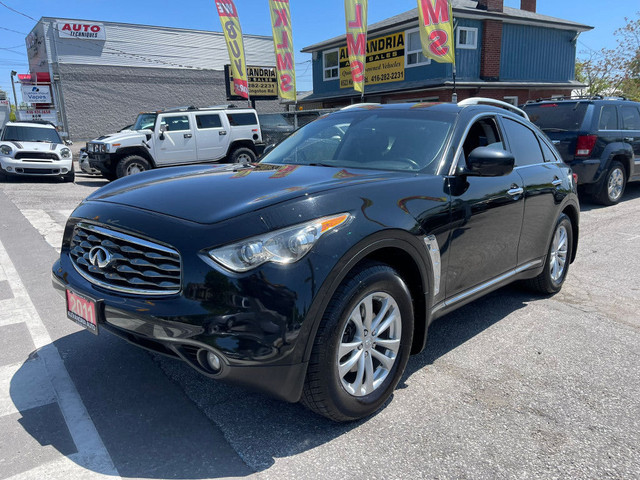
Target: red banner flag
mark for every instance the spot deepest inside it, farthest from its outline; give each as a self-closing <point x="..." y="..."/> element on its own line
<point x="233" y="36"/>
<point x="283" y="44"/>
<point x="355" y="12"/>
<point x="436" y="30"/>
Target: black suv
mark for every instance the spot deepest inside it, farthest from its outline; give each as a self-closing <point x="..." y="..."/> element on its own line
<point x="598" y="137"/>
<point x="313" y="274"/>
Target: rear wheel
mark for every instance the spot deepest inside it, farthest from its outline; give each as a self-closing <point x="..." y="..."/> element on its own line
<point x="362" y="345"/>
<point x="613" y="186"/>
<point x="131" y="165"/>
<point x="558" y="259"/>
<point x="242" y="155"/>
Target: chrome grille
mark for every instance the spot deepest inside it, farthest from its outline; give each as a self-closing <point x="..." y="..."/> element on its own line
<point x="121" y="262"/>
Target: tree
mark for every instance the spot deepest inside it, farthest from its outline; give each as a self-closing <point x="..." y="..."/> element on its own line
<point x="614" y="71"/>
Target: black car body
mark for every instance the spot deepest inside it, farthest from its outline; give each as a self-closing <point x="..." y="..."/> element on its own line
<point x="599" y="138"/>
<point x="406" y="211"/>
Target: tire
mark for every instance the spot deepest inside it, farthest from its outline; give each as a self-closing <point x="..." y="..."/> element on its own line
<point x="614" y="184"/>
<point x="342" y="340"/>
<point x="242" y="155"/>
<point x="69" y="177"/>
<point x="558" y="259"/>
<point x="131" y="165"/>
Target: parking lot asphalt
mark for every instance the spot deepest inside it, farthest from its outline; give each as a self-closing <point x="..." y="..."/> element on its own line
<point x="514" y="385"/>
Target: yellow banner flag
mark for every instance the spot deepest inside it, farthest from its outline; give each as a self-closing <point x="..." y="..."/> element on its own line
<point x="233" y="35"/>
<point x="436" y="30"/>
<point x="355" y="12"/>
<point x="283" y="45"/>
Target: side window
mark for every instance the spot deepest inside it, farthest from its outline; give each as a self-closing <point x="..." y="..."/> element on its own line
<point x="208" y="121"/>
<point x="523" y="142"/>
<point x="330" y="63"/>
<point x="467" y="38"/>
<point x="547" y="153"/>
<point x="242" y="119"/>
<point x="608" y="118"/>
<point x="175" y="124"/>
<point x="482" y="133"/>
<point x="630" y="118"/>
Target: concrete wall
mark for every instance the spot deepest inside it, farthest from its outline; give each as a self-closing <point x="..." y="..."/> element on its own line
<point x="102" y="99"/>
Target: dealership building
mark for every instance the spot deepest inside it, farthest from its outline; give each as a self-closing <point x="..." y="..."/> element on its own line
<point x="93" y="78"/>
<point x="511" y="54"/>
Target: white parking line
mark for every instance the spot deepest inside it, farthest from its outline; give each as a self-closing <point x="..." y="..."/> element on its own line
<point x="81" y="427"/>
<point x="47" y="226"/>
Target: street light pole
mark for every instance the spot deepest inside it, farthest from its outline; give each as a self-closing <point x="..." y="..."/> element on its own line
<point x="15" y="98"/>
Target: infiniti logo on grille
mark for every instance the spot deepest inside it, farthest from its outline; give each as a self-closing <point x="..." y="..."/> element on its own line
<point x="100" y="257"/>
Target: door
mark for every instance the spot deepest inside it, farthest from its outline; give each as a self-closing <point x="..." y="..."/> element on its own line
<point x="486" y="217"/>
<point x="545" y="187"/>
<point x="211" y="136"/>
<point x="631" y="132"/>
<point x="177" y="144"/>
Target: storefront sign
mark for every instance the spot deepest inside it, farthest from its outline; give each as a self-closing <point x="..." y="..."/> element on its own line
<point x="36" y="93"/>
<point x="263" y="83"/>
<point x="385" y="61"/>
<point x="81" y="31"/>
<point x="45" y="114"/>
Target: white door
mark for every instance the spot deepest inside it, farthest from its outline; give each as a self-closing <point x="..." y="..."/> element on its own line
<point x="211" y="136"/>
<point x="177" y="144"/>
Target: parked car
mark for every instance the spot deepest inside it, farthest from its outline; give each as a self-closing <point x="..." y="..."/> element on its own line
<point x="599" y="138"/>
<point x="314" y="274"/>
<point x="83" y="162"/>
<point x="278" y="126"/>
<point x="178" y="136"/>
<point x="34" y="149"/>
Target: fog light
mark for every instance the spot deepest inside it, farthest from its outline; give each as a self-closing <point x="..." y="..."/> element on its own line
<point x="214" y="361"/>
<point x="9" y="169"/>
<point x="64" y="170"/>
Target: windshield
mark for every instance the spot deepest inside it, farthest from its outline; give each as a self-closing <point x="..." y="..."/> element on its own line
<point x="561" y="116"/>
<point x="403" y="140"/>
<point x="145" y="121"/>
<point x="19" y="133"/>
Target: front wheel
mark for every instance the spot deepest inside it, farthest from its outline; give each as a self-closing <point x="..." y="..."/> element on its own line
<point x="131" y="165"/>
<point x="613" y="186"/>
<point x="362" y="345"/>
<point x="558" y="259"/>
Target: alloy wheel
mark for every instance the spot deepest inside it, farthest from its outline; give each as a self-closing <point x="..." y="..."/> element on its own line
<point x="615" y="184"/>
<point x="559" y="250"/>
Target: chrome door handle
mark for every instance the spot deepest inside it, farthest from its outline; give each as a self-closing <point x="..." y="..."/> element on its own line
<point x="556" y="182"/>
<point x="629" y="139"/>
<point x="187" y="135"/>
<point x="515" y="191"/>
<point x="222" y="132"/>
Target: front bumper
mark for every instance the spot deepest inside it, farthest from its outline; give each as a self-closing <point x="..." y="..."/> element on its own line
<point x="100" y="162"/>
<point x="11" y="166"/>
<point x="252" y="342"/>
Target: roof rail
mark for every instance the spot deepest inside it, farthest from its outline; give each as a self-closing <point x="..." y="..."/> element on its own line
<point x="577" y="97"/>
<point x="493" y="102"/>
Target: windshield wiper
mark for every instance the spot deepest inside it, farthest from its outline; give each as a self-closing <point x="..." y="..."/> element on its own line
<point x="320" y="165"/>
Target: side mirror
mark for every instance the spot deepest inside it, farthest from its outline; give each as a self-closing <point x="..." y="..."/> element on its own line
<point x="163" y="128"/>
<point x="489" y="162"/>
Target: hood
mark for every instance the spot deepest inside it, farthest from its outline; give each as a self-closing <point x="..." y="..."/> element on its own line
<point x="210" y="194"/>
<point x="34" y="146"/>
<point x="125" y="135"/>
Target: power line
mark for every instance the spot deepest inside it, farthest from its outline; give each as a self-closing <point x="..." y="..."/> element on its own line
<point x="16" y="11"/>
<point x="13" y="31"/>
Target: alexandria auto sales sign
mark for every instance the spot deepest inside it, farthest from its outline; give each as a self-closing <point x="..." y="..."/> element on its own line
<point x="81" y="30"/>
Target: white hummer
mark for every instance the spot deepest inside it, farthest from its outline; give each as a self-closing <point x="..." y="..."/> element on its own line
<point x="178" y="136"/>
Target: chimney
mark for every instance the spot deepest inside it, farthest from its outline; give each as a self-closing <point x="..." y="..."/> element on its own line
<point x="528" y="5"/>
<point x="493" y="5"/>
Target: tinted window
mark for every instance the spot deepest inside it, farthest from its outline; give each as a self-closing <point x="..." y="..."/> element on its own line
<point x="208" y="121"/>
<point x="608" y="118"/>
<point x="241" y="119"/>
<point x="630" y="118"/>
<point x="548" y="154"/>
<point x="557" y="116"/>
<point x="175" y="124"/>
<point x="523" y="142"/>
<point x="30" y="134"/>
<point x="482" y="133"/>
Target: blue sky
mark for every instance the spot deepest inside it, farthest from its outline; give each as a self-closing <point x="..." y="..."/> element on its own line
<point x="313" y="21"/>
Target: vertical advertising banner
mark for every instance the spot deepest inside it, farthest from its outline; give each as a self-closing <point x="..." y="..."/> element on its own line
<point x="283" y="45"/>
<point x="436" y="30"/>
<point x="355" y="12"/>
<point x="233" y="35"/>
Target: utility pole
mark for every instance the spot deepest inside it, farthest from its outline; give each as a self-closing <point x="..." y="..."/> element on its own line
<point x="15" y="98"/>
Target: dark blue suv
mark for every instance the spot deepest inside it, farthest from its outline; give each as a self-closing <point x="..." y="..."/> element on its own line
<point x="598" y="137"/>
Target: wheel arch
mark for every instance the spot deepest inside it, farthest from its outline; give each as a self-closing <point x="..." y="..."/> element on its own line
<point x="401" y="251"/>
<point x="572" y="212"/>
<point x="241" y="144"/>
<point x="128" y="151"/>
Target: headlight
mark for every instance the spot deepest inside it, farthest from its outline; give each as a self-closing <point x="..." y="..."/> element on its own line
<point x="104" y="148"/>
<point x="282" y="246"/>
<point x="5" y="149"/>
<point x="65" y="153"/>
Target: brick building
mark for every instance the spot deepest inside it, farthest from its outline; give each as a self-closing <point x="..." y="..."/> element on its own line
<point x="100" y="75"/>
<point x="505" y="53"/>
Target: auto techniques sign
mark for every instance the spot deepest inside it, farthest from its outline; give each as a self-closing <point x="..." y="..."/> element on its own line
<point x="385" y="61"/>
<point x="81" y="31"/>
